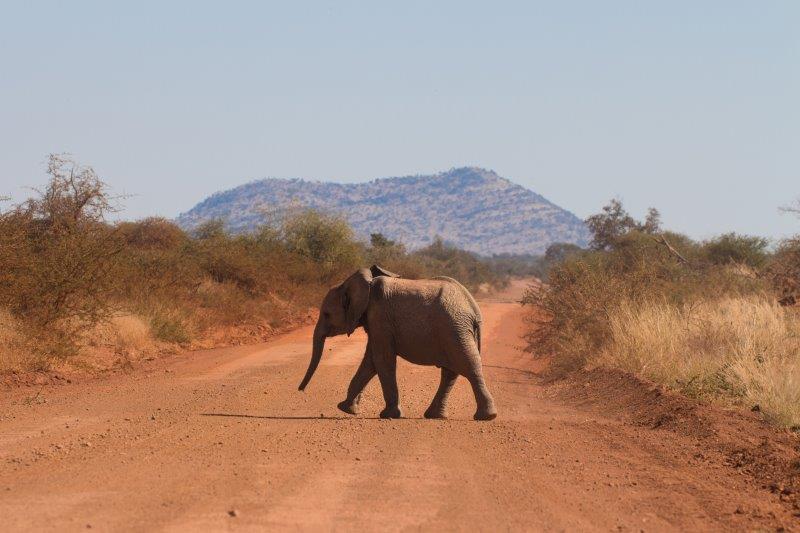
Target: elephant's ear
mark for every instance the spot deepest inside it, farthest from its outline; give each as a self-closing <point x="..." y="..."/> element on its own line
<point x="380" y="271"/>
<point x="356" y="297"/>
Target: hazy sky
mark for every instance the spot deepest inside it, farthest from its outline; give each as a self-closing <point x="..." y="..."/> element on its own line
<point x="693" y="107"/>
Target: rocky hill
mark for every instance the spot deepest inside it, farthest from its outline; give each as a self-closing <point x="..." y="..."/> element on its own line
<point x="472" y="208"/>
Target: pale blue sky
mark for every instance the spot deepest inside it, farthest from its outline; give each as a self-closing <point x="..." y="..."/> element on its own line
<point x="691" y="106"/>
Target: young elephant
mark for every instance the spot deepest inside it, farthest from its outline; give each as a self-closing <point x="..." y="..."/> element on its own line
<point x="427" y="322"/>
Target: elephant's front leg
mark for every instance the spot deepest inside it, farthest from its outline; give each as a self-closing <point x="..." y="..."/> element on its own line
<point x="385" y="361"/>
<point x="365" y="372"/>
<point x="439" y="403"/>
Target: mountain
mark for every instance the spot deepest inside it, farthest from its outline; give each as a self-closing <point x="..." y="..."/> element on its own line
<point x="472" y="208"/>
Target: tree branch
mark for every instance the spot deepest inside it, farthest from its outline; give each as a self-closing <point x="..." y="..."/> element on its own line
<point x="663" y="241"/>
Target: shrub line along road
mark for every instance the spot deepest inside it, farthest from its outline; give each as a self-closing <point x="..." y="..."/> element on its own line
<point x="222" y="439"/>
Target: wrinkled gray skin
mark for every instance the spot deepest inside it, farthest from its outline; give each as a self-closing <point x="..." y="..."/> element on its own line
<point x="427" y="322"/>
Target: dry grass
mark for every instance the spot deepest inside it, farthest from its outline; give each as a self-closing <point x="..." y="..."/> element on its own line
<point x="132" y="334"/>
<point x="702" y="318"/>
<point x="571" y="315"/>
<point x="125" y="334"/>
<point x="745" y="349"/>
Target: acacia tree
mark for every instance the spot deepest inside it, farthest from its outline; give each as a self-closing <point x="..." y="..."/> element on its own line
<point x="59" y="254"/>
<point x="379" y="240"/>
<point x="652" y="222"/>
<point x="614" y="222"/>
<point x="384" y="251"/>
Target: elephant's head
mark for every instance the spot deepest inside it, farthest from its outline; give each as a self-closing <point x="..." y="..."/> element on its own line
<point x="341" y="312"/>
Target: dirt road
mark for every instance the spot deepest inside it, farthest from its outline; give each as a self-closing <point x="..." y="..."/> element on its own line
<point x="222" y="439"/>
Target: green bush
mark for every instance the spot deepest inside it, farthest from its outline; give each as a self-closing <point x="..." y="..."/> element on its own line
<point x="734" y="248"/>
<point x="326" y="240"/>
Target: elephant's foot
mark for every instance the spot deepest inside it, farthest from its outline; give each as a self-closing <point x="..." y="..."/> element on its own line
<point x="435" y="412"/>
<point x="351" y="408"/>
<point x="392" y="412"/>
<point x="489" y="413"/>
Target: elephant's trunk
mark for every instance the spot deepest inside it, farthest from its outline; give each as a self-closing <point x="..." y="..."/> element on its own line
<point x="316" y="355"/>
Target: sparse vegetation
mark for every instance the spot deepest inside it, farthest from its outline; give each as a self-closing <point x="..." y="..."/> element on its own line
<point x="70" y="279"/>
<point x="732" y="348"/>
<point x="57" y="258"/>
<point x="701" y="317"/>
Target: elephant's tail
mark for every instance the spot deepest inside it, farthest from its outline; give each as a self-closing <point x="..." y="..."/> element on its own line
<point x="476" y="331"/>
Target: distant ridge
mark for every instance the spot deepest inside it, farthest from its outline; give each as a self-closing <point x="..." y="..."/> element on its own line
<point x="472" y="208"/>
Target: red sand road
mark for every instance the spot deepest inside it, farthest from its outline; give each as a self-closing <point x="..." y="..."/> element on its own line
<point x="222" y="439"/>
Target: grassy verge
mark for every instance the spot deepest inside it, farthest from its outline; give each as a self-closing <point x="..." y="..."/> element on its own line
<point x="708" y="319"/>
<point x="745" y="349"/>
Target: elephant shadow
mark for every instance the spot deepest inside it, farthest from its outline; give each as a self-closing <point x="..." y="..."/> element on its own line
<point x="278" y="417"/>
<point x="319" y="418"/>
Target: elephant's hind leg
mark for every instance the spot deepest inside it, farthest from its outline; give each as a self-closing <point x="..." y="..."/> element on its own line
<point x="365" y="372"/>
<point x="474" y="373"/>
<point x="486" y="409"/>
<point x="439" y="404"/>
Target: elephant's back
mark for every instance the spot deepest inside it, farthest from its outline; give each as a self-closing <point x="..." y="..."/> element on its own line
<point x="439" y="292"/>
<point x="430" y="318"/>
<point x="462" y="294"/>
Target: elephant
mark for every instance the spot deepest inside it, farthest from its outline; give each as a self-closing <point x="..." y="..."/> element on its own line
<point x="427" y="322"/>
